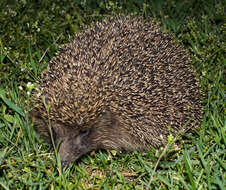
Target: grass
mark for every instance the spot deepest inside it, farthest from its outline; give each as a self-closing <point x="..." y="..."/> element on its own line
<point x="31" y="31"/>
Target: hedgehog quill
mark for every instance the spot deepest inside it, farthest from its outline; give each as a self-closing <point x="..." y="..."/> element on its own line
<point x="121" y="84"/>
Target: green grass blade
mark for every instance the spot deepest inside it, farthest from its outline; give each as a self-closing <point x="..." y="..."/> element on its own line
<point x="188" y="170"/>
<point x="11" y="104"/>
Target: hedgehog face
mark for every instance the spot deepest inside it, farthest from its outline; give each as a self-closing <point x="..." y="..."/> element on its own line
<point x="73" y="143"/>
<point x="104" y="133"/>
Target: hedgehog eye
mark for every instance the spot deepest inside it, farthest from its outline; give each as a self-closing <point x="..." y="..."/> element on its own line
<point x="84" y="132"/>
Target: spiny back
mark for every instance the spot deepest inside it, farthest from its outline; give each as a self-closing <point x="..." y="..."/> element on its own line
<point x="128" y="66"/>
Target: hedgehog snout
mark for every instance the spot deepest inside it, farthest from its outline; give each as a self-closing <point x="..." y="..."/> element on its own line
<point x="73" y="145"/>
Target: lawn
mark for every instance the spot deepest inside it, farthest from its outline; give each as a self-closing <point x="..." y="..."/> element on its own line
<point x="31" y="32"/>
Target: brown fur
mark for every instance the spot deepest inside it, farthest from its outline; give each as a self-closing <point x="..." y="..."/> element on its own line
<point x="122" y="84"/>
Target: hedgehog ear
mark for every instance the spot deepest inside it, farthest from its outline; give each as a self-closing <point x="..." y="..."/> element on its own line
<point x="61" y="131"/>
<point x="107" y="118"/>
<point x="106" y="115"/>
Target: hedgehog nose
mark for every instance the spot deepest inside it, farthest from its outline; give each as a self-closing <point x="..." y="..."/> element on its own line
<point x="64" y="163"/>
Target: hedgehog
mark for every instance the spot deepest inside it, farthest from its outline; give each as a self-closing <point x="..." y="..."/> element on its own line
<point x="121" y="84"/>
